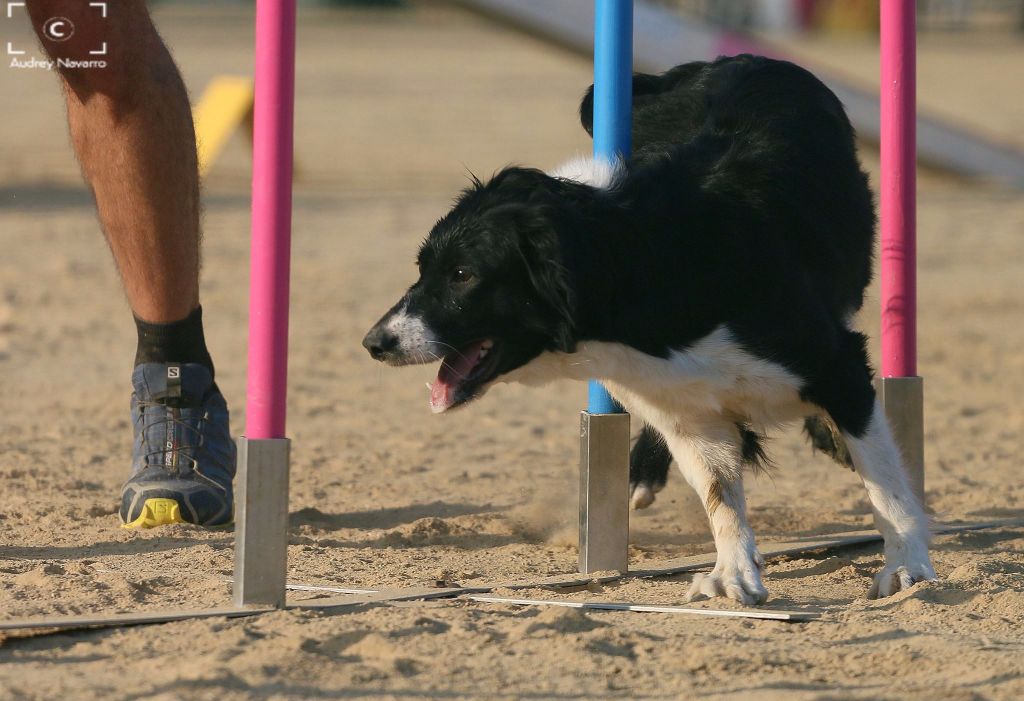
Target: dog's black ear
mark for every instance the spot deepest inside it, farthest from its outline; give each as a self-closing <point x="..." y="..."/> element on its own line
<point x="541" y="251"/>
<point x="587" y="111"/>
<point x="645" y="87"/>
<point x="521" y="184"/>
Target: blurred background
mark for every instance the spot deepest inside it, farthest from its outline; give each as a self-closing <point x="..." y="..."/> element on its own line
<point x="795" y="15"/>
<point x="852" y="15"/>
<point x="971" y="55"/>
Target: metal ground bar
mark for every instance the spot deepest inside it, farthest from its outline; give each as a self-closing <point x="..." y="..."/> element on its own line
<point x="117" y="620"/>
<point x="662" y="569"/>
<point x="764" y="614"/>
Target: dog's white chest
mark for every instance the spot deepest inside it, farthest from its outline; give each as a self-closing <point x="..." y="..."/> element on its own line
<point x="713" y="376"/>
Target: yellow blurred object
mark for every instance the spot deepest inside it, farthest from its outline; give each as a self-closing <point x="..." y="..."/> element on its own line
<point x="224" y="106"/>
<point x="846" y="15"/>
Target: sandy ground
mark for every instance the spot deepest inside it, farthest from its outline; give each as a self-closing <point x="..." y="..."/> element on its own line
<point x="393" y="109"/>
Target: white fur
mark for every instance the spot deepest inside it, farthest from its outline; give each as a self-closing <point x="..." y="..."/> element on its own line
<point x="898" y="514"/>
<point x="416" y="341"/>
<point x="708" y="455"/>
<point x="588" y="170"/>
<point x="640" y="496"/>
<point x="714" y="376"/>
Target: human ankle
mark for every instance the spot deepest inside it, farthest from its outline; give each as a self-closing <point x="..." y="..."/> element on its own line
<point x="180" y="341"/>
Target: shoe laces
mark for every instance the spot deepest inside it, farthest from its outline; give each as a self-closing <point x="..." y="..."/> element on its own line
<point x="172" y="451"/>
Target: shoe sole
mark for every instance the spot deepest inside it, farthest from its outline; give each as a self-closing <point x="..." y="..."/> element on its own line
<point x="161" y="511"/>
<point x="156" y="512"/>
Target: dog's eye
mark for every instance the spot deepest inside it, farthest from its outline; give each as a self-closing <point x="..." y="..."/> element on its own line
<point x="461" y="275"/>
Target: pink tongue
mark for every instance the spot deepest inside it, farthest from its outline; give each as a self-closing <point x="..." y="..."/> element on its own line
<point x="455" y="368"/>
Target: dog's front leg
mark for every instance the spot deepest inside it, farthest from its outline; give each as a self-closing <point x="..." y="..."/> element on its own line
<point x="710" y="462"/>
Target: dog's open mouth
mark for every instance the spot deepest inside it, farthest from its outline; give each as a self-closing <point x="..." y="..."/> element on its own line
<point x="462" y="373"/>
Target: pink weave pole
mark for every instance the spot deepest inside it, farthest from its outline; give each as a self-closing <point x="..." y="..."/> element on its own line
<point x="898" y="266"/>
<point x="271" y="219"/>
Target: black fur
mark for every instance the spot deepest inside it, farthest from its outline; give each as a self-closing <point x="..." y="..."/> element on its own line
<point x="673" y="108"/>
<point x="743" y="205"/>
<point x="649" y="461"/>
<point x="752" y="449"/>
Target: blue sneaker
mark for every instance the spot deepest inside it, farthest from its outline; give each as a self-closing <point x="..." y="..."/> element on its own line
<point x="184" y="459"/>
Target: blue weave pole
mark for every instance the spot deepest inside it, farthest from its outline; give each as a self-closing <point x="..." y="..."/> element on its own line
<point x="613" y="103"/>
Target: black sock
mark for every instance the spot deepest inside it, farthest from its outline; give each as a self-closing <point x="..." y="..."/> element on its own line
<point x="177" y="342"/>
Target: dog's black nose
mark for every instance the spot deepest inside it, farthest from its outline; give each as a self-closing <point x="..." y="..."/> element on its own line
<point x="380" y="342"/>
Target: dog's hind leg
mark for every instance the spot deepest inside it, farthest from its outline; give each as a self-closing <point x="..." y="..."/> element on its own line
<point x="649" y="461"/>
<point x="850" y="399"/>
<point x="711" y="461"/>
<point x="898" y="514"/>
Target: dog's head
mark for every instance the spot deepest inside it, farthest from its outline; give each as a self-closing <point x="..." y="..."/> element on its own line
<point x="493" y="291"/>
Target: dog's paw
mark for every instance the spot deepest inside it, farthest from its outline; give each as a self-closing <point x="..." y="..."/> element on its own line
<point x="896" y="578"/>
<point x="641" y="495"/>
<point x="744" y="586"/>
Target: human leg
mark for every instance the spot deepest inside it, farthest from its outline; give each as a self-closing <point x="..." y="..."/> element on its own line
<point x="132" y="131"/>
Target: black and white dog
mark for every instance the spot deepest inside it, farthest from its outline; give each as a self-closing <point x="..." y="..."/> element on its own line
<point x="709" y="283"/>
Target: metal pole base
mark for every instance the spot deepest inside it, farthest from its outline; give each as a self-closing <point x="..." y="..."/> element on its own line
<point x="261" y="522"/>
<point x="903" y="401"/>
<point x="604" y="492"/>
